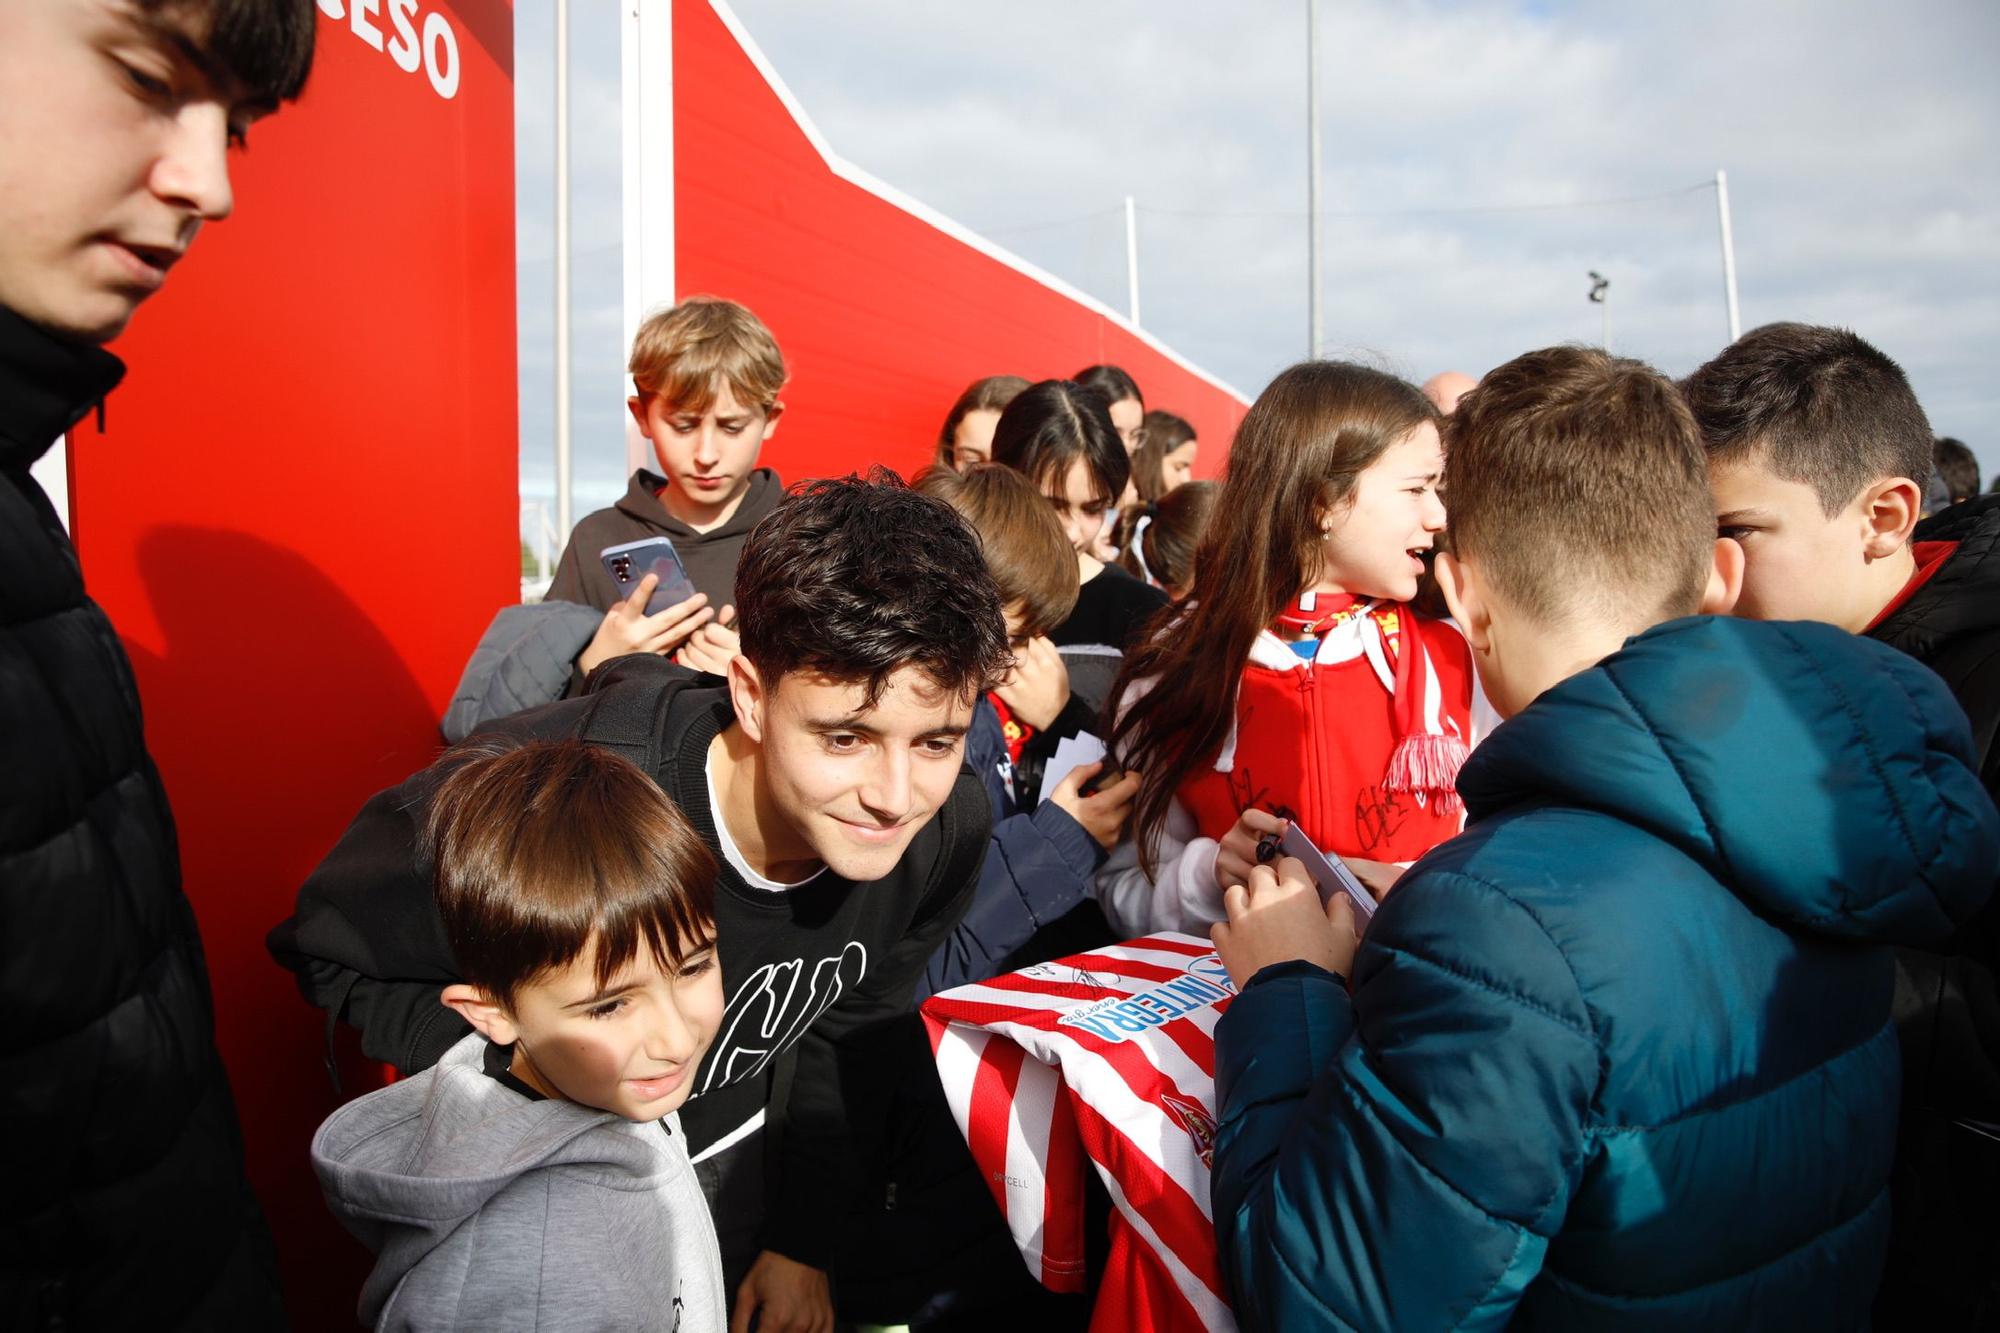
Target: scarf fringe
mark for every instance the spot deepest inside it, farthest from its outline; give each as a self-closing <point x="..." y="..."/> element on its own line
<point x="1429" y="763"/>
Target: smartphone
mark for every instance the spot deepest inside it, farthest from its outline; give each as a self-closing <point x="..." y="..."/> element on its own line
<point x="1107" y="775"/>
<point x="630" y="562"/>
<point x="1330" y="873"/>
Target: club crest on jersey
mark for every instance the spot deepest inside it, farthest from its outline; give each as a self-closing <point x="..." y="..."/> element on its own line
<point x="1120" y="1018"/>
<point x="1199" y="1124"/>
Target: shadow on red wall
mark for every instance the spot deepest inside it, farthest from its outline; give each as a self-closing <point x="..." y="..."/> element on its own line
<point x="279" y="699"/>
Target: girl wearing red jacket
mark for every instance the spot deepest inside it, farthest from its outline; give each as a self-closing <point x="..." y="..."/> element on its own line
<point x="1299" y="684"/>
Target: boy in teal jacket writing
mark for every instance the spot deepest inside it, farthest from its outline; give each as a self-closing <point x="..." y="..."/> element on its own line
<point x="1620" y="1055"/>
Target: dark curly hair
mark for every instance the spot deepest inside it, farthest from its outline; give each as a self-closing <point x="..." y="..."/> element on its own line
<point x="858" y="577"/>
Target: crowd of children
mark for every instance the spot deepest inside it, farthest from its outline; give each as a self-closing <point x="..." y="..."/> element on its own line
<point x="1658" y="720"/>
<point x="1665" y="893"/>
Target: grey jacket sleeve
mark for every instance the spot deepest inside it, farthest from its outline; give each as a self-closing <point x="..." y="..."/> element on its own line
<point x="523" y="660"/>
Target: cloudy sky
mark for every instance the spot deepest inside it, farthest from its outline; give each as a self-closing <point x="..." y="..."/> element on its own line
<point x="1480" y="158"/>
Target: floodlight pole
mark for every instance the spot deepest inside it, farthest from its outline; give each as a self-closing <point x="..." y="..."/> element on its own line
<point x="562" y="271"/>
<point x="1318" y="340"/>
<point x="1728" y="253"/>
<point x="1132" y="258"/>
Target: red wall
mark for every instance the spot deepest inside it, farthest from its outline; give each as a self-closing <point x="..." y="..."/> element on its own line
<point x="883" y="318"/>
<point x="300" y="517"/>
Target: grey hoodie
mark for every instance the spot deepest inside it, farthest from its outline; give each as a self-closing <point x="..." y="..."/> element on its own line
<point x="490" y="1211"/>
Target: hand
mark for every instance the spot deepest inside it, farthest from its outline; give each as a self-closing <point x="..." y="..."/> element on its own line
<point x="1104" y="812"/>
<point x="1038" y="686"/>
<point x="1237" y="853"/>
<point x="1377" y="876"/>
<point x="628" y="629"/>
<point x="783" y="1296"/>
<point x="1276" y="918"/>
<point x="712" y="646"/>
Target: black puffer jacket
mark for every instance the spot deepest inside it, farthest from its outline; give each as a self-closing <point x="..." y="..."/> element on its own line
<point x="123" y="1203"/>
<point x="1944" y="1258"/>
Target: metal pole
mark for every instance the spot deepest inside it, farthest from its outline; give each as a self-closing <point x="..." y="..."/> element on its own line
<point x="1728" y="253"/>
<point x="562" y="268"/>
<point x="1607" y="320"/>
<point x="1132" y="258"/>
<point x="1312" y="190"/>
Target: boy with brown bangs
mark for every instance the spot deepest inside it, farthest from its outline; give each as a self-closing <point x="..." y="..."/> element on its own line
<point x="537" y="1177"/>
<point x="706" y="376"/>
<point x="1619" y="1055"/>
<point x="1818" y="452"/>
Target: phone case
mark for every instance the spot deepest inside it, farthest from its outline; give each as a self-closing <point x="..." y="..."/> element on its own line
<point x="629" y="562"/>
<point x="1327" y="872"/>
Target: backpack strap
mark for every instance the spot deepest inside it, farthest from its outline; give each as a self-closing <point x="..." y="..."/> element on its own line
<point x="627" y="713"/>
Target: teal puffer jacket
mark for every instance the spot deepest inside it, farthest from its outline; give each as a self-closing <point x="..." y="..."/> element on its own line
<point x="1620" y="1055"/>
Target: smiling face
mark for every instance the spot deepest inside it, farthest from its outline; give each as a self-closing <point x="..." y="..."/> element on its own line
<point x="707" y="457"/>
<point x="630" y="1046"/>
<point x="1394" y="513"/>
<point x="115" y="131"/>
<point x="847" y="783"/>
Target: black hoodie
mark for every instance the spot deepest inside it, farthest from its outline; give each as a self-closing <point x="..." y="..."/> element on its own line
<point x="1944" y="1259"/>
<point x="818" y="972"/>
<point x="710" y="557"/>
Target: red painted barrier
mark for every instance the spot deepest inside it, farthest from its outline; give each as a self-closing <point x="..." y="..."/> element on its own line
<point x="884" y="310"/>
<point x="303" y="512"/>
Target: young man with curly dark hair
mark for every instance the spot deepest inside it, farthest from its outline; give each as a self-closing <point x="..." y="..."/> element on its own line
<point x="826" y="772"/>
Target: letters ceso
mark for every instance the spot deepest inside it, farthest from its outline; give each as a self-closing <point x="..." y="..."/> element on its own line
<point x="435" y="48"/>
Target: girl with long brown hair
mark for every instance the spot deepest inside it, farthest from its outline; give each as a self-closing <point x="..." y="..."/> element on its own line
<point x="1296" y="683"/>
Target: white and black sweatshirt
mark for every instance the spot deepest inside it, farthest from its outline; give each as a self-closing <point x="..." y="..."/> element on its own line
<point x="813" y="973"/>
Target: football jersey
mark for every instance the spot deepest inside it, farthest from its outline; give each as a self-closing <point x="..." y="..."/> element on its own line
<point x="1106" y="1057"/>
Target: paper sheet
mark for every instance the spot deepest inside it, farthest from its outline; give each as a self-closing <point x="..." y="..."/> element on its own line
<point x="1071" y="752"/>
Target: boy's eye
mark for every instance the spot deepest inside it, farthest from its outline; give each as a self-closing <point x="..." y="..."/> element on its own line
<point x="698" y="966"/>
<point x="608" y="1008"/>
<point x="843" y="743"/>
<point x="939" y="747"/>
<point x="1734" y="532"/>
<point x="145" y="84"/>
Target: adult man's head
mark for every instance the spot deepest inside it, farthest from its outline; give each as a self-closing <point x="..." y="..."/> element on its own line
<point x="870" y="627"/>
<point x="1445" y="388"/>
<point x="117" y="118"/>
<point x="1957" y="465"/>
<point x="1818" y="453"/>
<point x="1579" y="517"/>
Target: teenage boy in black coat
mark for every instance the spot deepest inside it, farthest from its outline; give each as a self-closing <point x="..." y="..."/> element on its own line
<point x="827" y="774"/>
<point x="1818" y="454"/>
<point x="125" y="1204"/>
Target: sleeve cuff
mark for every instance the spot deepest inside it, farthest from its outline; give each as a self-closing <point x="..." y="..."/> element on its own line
<point x="1071" y="840"/>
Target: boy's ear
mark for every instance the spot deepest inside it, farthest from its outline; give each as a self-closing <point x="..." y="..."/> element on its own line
<point x="636" y="405"/>
<point x="771" y="415"/>
<point x="747" y="693"/>
<point x="478" y="1008"/>
<point x="1725" y="579"/>
<point x="1890" y="508"/>
<point x="1468" y="608"/>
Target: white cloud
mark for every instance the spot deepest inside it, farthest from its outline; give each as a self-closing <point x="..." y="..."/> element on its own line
<point x="1853" y="133"/>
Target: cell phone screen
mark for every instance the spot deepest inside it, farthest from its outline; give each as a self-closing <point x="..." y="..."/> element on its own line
<point x="630" y="562"/>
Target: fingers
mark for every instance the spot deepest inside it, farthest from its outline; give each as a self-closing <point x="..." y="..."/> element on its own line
<point x="635" y="605"/>
<point x="1260" y="822"/>
<point x="1072" y="784"/>
<point x="1340" y="912"/>
<point x="746" y="1306"/>
<point x="727" y="616"/>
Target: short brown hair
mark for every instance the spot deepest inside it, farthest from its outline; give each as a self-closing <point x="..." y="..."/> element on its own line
<point x="1031" y="561"/>
<point x="991" y="394"/>
<point x="538" y="850"/>
<point x="1576" y="481"/>
<point x="685" y="353"/>
<point x="1819" y="406"/>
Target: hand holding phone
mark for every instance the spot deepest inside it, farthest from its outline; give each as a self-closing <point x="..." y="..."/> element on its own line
<point x="1328" y="873"/>
<point x="628" y="629"/>
<point x="629" y="562"/>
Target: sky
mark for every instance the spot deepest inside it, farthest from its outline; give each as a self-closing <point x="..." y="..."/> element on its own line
<point x="1479" y="160"/>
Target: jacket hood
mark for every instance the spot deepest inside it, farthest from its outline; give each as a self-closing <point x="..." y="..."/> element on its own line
<point x="403" y="1167"/>
<point x="47" y="384"/>
<point x="1963" y="597"/>
<point x="642" y="502"/>
<point x="1827" y="779"/>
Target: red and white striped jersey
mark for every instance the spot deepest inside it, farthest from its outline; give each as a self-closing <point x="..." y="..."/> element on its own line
<point x="1108" y="1056"/>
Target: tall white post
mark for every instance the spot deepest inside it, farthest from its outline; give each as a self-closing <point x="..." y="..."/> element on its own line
<point x="1318" y="341"/>
<point x="1132" y="258"/>
<point x="1607" y="320"/>
<point x="646" y="126"/>
<point x="1728" y="253"/>
<point x="562" y="269"/>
